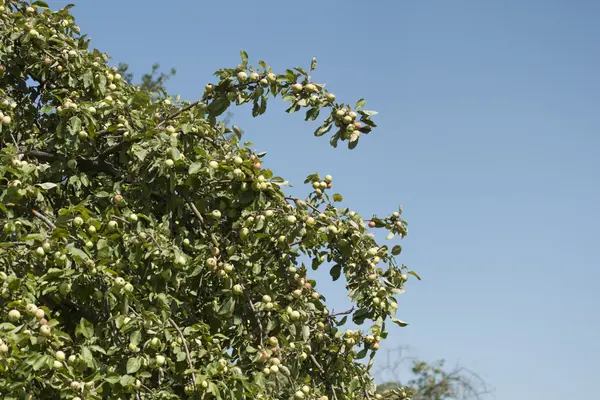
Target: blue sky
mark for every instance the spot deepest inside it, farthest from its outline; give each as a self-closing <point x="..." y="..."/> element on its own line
<point x="488" y="136"/>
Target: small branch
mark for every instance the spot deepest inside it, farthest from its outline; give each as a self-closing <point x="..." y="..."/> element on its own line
<point x="187" y="351"/>
<point x="350" y="311"/>
<point x="44" y="219"/>
<point x="322" y="371"/>
<point x="191" y="205"/>
<point x="296" y="200"/>
<point x="84" y="164"/>
<point x="177" y="113"/>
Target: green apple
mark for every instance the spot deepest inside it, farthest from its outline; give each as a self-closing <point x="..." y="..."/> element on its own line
<point x="271" y="77"/>
<point x="14" y="315"/>
<point x="216" y="214"/>
<point x="331" y="97"/>
<point x="40" y="252"/>
<point x="133" y="217"/>
<point x="242" y="76"/>
<point x="169" y="163"/>
<point x="112" y="225"/>
<point x="45" y="330"/>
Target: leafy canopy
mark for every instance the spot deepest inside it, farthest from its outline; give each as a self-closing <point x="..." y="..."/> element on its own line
<point x="146" y="253"/>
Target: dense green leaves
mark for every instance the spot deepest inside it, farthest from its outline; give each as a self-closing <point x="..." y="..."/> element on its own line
<point x="146" y="251"/>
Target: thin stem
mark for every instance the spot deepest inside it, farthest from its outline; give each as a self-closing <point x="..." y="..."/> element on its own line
<point x="185" y="346"/>
<point x="44" y="219"/>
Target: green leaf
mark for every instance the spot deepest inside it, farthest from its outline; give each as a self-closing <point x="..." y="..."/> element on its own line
<point x="413" y="273"/>
<point x="85" y="328"/>
<point x="305" y="333"/>
<point x="313" y="64"/>
<point x="194" y="168"/>
<point x="360" y="104"/>
<point x="135" y="338"/>
<point x="39" y="3"/>
<point x="397" y="249"/>
<point x="133" y="365"/>
<point x="323" y="130"/>
<point x="337" y="197"/>
<point x="47" y="185"/>
<point x="88" y="79"/>
<point x="244" y="56"/>
<point x="398" y="322"/>
<point x="390" y="236"/>
<point x="335" y="272"/>
<point x="75" y="252"/>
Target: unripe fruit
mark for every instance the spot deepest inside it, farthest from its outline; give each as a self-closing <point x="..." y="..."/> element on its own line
<point x="271" y="77"/>
<point x="39" y="314"/>
<point x="332" y="229"/>
<point x="238" y="160"/>
<point x="60" y="355"/>
<point x="291" y="219"/>
<point x="310" y="221"/>
<point x="57" y="364"/>
<point x="297" y="293"/>
<point x="273" y="341"/>
<point x="299" y="395"/>
<point x="340" y="113"/>
<point x="264" y="82"/>
<point x="155" y="342"/>
<point x="292" y="270"/>
<point x="303" y="356"/>
<point x="266" y="298"/>
<point x="72" y="358"/>
<point x="14" y="315"/>
<point x="237" y="289"/>
<point x="112" y="225"/>
<point x="170" y="129"/>
<point x="305" y="389"/>
<point x="311" y="88"/>
<point x="3" y="348"/>
<point x="295" y="315"/>
<point x="266" y="371"/>
<point x="133" y="217"/>
<point x="128" y="288"/>
<point x="274" y="369"/>
<point x="160" y="360"/>
<point x="254" y="76"/>
<point x="119" y="282"/>
<point x="31" y="309"/>
<point x="297" y="87"/>
<point x="373" y="251"/>
<point x="169" y="163"/>
<point x="92" y="230"/>
<point x="372" y="224"/>
<point x="216" y="214"/>
<point x="45" y="330"/>
<point x="40" y="252"/>
<point x="242" y="76"/>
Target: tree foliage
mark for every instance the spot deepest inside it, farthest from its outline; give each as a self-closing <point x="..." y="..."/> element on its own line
<point x="146" y="253"/>
<point x="432" y="381"/>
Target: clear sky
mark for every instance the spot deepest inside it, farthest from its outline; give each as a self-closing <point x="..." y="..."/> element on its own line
<point x="489" y="134"/>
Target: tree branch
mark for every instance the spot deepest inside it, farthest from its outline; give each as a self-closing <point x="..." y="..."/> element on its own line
<point x="177" y="113"/>
<point x="187" y="351"/>
<point x="44" y="219"/>
<point x="83" y="163"/>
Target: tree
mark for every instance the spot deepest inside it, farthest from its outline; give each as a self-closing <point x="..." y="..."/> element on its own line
<point x="431" y="381"/>
<point x="151" y="82"/>
<point x="145" y="251"/>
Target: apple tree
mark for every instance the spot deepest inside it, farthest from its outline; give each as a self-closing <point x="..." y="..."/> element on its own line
<point x="145" y="251"/>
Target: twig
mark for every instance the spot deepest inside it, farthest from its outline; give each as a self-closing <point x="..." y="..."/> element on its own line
<point x="177" y="113"/>
<point x="192" y="206"/>
<point x="187" y="351"/>
<point x="44" y="219"/>
<point x="254" y="314"/>
<point x="296" y="200"/>
<point x="350" y="311"/>
<point x="322" y="371"/>
<point x="84" y="164"/>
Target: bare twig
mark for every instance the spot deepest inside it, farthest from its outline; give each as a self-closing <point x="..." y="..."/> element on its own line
<point x="177" y="113"/>
<point x="185" y="347"/>
<point x="44" y="219"/>
<point x="296" y="200"/>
